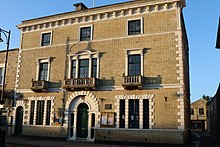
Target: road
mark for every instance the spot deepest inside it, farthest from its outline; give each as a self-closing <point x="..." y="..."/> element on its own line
<point x="200" y="139"/>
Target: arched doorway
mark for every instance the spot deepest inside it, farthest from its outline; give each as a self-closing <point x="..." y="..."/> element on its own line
<point x="82" y="120"/>
<point x="83" y="114"/>
<point x="19" y="121"/>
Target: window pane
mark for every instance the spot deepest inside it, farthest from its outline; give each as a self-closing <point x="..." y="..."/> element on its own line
<point x="134" y="65"/>
<point x="201" y="111"/>
<point x="94" y="67"/>
<point x="146" y="114"/>
<point x="134" y="27"/>
<point x="43" y="71"/>
<point x="85" y="34"/>
<point x="48" y="112"/>
<point x="40" y="112"/>
<point x="45" y="39"/>
<point x="83" y="68"/>
<point x="122" y="113"/>
<point x="32" y="113"/>
<point x="73" y="71"/>
<point x="131" y="73"/>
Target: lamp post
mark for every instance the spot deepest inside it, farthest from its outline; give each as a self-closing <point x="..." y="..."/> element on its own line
<point x="7" y="36"/>
<point x="3" y="131"/>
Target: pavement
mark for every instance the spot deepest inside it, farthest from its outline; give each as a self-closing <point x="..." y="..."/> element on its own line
<point x="197" y="140"/>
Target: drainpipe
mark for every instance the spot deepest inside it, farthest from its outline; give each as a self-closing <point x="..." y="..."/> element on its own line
<point x="65" y="76"/>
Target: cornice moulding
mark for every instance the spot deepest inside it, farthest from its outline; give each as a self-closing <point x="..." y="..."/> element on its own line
<point x="99" y="13"/>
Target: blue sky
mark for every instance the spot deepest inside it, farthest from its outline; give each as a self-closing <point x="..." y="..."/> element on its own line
<point x="201" y="18"/>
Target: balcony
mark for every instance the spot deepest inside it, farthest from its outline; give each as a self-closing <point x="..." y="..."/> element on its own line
<point x="80" y="84"/>
<point x="39" y="86"/>
<point x="132" y="82"/>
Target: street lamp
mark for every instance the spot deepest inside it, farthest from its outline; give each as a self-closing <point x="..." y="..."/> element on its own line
<point x="2" y="132"/>
<point x="7" y="36"/>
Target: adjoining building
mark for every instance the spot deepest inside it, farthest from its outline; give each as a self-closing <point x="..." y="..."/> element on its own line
<point x="214" y="105"/>
<point x="118" y="72"/>
<point x="198" y="115"/>
<point x="213" y="115"/>
<point x="9" y="85"/>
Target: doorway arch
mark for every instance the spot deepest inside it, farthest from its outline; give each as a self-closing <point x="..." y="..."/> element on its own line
<point x="77" y="103"/>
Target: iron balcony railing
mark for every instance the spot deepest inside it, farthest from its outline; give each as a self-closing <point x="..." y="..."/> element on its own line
<point x="80" y="83"/>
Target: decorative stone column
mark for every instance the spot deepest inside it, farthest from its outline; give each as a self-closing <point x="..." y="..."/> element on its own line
<point x="35" y="112"/>
<point x="89" y="125"/>
<point x="126" y="113"/>
<point x="141" y="113"/>
<point x="74" y="125"/>
<point x="117" y="113"/>
<point x="45" y="112"/>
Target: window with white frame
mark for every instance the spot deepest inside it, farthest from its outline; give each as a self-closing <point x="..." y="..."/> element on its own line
<point x="134" y="65"/>
<point x="134" y="114"/>
<point x="83" y="68"/>
<point x="86" y="33"/>
<point x="40" y="111"/>
<point x="85" y="65"/>
<point x="1" y="75"/>
<point x="134" y="60"/>
<point x="43" y="69"/>
<point x="135" y="26"/>
<point x="46" y="38"/>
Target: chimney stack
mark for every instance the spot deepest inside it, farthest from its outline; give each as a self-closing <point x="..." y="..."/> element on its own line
<point x="80" y="6"/>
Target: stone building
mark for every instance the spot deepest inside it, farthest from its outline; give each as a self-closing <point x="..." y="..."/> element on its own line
<point x="198" y="115"/>
<point x="8" y="97"/>
<point x="10" y="74"/>
<point x="214" y="105"/>
<point x="213" y="115"/>
<point x="118" y="72"/>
